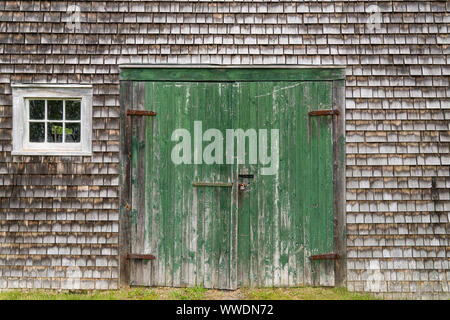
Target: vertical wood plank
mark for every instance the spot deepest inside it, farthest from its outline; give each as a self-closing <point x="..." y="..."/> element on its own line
<point x="124" y="178"/>
<point x="134" y="189"/>
<point x="150" y="239"/>
<point x="242" y="111"/>
<point x="139" y="149"/>
<point x="307" y="181"/>
<point x="176" y="107"/>
<point x="291" y="189"/>
<point x="301" y="135"/>
<point x="169" y="182"/>
<point x="252" y="193"/>
<point x="325" y="147"/>
<point x="159" y="218"/>
<point x="234" y="203"/>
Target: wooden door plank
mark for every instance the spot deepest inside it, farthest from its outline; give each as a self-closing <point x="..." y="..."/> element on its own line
<point x="224" y="195"/>
<point x="283" y="108"/>
<point x="307" y="182"/>
<point x="175" y="107"/>
<point x="291" y="190"/>
<point x="134" y="277"/>
<point x="150" y="239"/>
<point x="157" y="218"/>
<point x="198" y="198"/>
<point x="268" y="186"/>
<point x="192" y="216"/>
<point x="274" y="114"/>
<point x="242" y="91"/>
<point x="301" y="138"/>
<point x="326" y="221"/>
<point x="140" y="184"/>
<point x="252" y="193"/>
<point x="260" y="185"/>
<point x="158" y="200"/>
<point x="234" y="199"/>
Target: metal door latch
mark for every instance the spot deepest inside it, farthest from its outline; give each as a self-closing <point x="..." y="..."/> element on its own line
<point x="242" y="186"/>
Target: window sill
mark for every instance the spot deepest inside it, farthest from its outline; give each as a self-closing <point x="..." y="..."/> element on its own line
<point x="50" y="153"/>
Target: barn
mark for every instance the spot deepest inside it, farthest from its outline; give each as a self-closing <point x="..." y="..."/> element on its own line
<point x="225" y="144"/>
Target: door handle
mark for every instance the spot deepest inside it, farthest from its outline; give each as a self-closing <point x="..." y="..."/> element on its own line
<point x="241" y="185"/>
<point x="212" y="184"/>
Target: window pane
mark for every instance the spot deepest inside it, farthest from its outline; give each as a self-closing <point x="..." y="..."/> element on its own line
<point x="54" y="109"/>
<point x="54" y="132"/>
<point x="73" y="133"/>
<point x="37" y="109"/>
<point x="73" y="109"/>
<point x="37" y="131"/>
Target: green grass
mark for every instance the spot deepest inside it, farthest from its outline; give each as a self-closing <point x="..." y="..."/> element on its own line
<point x="196" y="293"/>
<point x="305" y="293"/>
<point x="131" y="294"/>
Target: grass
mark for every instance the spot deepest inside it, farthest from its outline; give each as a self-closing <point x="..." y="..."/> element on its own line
<point x="305" y="293"/>
<point x="196" y="293"/>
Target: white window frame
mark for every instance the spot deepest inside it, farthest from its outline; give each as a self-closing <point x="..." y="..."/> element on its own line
<point x="23" y="93"/>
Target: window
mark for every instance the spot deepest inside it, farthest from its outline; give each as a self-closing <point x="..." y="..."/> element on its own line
<point x="52" y="119"/>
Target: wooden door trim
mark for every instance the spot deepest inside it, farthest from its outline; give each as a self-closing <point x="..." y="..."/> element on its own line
<point x="223" y="74"/>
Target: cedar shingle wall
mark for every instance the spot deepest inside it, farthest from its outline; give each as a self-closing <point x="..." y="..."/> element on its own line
<point x="59" y="216"/>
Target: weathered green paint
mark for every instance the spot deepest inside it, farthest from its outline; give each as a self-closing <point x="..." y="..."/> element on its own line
<point x="187" y="228"/>
<point x="231" y="74"/>
<point x="203" y="232"/>
<point x="285" y="218"/>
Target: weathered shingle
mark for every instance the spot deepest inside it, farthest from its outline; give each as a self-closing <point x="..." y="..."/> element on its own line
<point x="397" y="112"/>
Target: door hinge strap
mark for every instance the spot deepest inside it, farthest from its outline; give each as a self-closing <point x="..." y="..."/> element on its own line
<point x="330" y="112"/>
<point x="138" y="256"/>
<point x="131" y="112"/>
<point x="325" y="256"/>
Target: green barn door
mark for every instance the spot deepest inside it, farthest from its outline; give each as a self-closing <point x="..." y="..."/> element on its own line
<point x="274" y="217"/>
<point x="182" y="213"/>
<point x="287" y="217"/>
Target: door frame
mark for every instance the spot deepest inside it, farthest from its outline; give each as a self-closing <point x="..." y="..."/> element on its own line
<point x="145" y="72"/>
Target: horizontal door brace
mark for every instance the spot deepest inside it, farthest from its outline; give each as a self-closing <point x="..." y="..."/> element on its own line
<point x="138" y="256"/>
<point x="212" y="184"/>
<point x="148" y="113"/>
<point x="330" y="112"/>
<point x="325" y="256"/>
